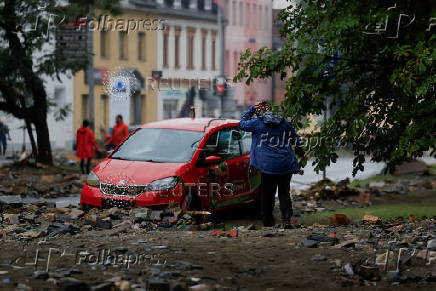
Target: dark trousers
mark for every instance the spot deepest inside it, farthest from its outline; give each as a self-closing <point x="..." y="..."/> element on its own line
<point x="88" y="165"/>
<point x="3" y="145"/>
<point x="268" y="187"/>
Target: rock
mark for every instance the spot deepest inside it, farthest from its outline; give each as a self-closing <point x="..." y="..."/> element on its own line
<point x="200" y="216"/>
<point x="347" y="244"/>
<point x="368" y="273"/>
<point x="377" y="184"/>
<point x="57" y="228"/>
<point x="412" y="167"/>
<point x="251" y="227"/>
<point x="431" y="245"/>
<point x="123" y="285"/>
<point x="114" y="213"/>
<point x="371" y="219"/>
<point x="201" y="287"/>
<point x="319" y="258"/>
<point x="339" y="219"/>
<point x="321" y="237"/>
<point x="76" y="213"/>
<point x="138" y="215"/>
<point x="13" y="218"/>
<point x="72" y="284"/>
<point x="349" y="269"/>
<point x="105" y="286"/>
<point x="158" y="285"/>
<point x="48" y="216"/>
<point x="13" y="201"/>
<point x="156" y="215"/>
<point x="40" y="275"/>
<point x="98" y="222"/>
<point x="38" y="232"/>
<point x="309" y="243"/>
<point x="225" y="233"/>
<point x="393" y="276"/>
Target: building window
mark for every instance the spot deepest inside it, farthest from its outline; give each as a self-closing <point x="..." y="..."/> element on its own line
<point x="85" y="106"/>
<point x="213" y="54"/>
<point x="169" y="108"/>
<point x="141" y="46"/>
<point x="226" y="9"/>
<point x="104" y="44"/>
<point x="165" y="48"/>
<point x="190" y="48"/>
<point x="247" y="14"/>
<point x="235" y="62"/>
<point x="241" y="13"/>
<point x="123" y="45"/>
<point x="104" y="112"/>
<point x="207" y="4"/>
<point x="254" y="18"/>
<point x="259" y="17"/>
<point x="266" y="18"/>
<point x="177" y="48"/>
<point x="234" y="12"/>
<point x="203" y="49"/>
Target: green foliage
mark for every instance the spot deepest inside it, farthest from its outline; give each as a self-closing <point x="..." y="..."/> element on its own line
<point x="379" y="90"/>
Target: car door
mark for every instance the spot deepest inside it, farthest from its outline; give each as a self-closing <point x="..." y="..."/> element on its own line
<point x="231" y="174"/>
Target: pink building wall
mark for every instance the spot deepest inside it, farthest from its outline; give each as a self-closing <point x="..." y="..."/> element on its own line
<point x="251" y="29"/>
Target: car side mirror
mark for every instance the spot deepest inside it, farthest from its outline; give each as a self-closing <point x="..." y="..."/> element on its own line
<point x="212" y="160"/>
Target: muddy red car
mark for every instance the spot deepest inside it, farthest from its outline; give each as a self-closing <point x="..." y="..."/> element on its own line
<point x="197" y="163"/>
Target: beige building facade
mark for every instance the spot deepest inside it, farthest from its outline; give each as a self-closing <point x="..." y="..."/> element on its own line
<point x="126" y="42"/>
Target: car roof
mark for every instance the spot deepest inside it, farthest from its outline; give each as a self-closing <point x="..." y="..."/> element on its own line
<point x="194" y="124"/>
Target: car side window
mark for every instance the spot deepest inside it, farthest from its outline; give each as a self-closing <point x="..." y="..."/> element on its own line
<point x="223" y="143"/>
<point x="246" y="141"/>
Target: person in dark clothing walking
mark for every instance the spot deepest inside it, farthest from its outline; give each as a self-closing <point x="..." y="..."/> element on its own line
<point x="4" y="131"/>
<point x="272" y="154"/>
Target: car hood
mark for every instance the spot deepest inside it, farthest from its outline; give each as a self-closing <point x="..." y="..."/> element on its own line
<point x="135" y="172"/>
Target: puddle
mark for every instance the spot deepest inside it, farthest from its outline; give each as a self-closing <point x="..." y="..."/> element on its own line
<point x="60" y="201"/>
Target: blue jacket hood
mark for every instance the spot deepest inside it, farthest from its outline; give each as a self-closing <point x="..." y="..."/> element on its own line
<point x="272" y="119"/>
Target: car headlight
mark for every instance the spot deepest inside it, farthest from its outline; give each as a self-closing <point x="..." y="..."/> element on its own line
<point x="163" y="184"/>
<point x="93" y="180"/>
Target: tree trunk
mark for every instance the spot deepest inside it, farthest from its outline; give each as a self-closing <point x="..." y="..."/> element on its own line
<point x="43" y="139"/>
<point x="32" y="139"/>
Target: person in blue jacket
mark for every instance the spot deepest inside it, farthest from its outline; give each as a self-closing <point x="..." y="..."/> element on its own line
<point x="272" y="154"/>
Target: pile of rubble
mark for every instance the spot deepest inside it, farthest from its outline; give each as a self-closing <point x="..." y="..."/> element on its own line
<point x="45" y="185"/>
<point x="43" y="219"/>
<point x="327" y="195"/>
<point x="394" y="251"/>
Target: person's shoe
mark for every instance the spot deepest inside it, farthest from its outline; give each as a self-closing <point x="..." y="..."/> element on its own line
<point x="287" y="225"/>
<point x="268" y="222"/>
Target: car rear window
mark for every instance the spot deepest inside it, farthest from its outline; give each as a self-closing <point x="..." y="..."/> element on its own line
<point x="159" y="145"/>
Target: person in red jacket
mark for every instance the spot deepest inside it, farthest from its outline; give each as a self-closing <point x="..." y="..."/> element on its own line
<point x="119" y="132"/>
<point x="86" y="146"/>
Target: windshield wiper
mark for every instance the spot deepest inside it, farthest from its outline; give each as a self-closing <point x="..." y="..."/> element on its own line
<point x="152" y="161"/>
<point x="118" y="158"/>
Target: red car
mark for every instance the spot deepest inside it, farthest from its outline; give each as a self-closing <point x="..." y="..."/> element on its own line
<point x="200" y="163"/>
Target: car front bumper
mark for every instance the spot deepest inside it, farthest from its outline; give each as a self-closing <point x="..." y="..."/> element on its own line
<point x="93" y="196"/>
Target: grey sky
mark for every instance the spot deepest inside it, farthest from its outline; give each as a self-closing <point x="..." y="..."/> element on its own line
<point x="278" y="4"/>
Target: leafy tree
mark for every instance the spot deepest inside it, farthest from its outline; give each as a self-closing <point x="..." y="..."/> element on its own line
<point x="28" y="53"/>
<point x="377" y="81"/>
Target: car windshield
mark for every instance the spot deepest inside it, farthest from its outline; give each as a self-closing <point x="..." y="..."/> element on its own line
<point x="159" y="145"/>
